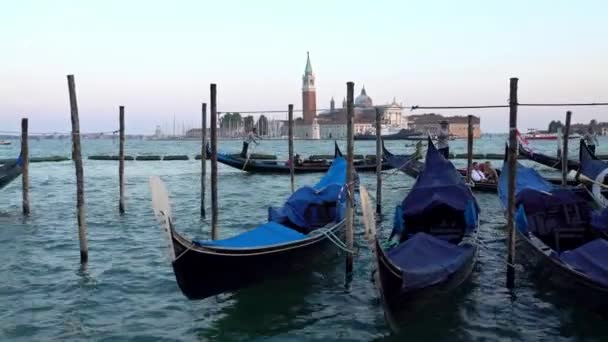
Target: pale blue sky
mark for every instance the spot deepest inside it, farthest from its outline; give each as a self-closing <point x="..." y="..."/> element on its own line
<point x="158" y="57"/>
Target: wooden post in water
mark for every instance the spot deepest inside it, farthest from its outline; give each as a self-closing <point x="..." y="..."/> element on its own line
<point x="512" y="164"/>
<point x="565" y="149"/>
<point x="378" y="164"/>
<point x="121" y="160"/>
<point x="290" y="135"/>
<point x="214" y="214"/>
<point x="203" y="157"/>
<point x="469" y="148"/>
<point x="350" y="89"/>
<point x="560" y="142"/>
<point x="25" y="161"/>
<point x="77" y="157"/>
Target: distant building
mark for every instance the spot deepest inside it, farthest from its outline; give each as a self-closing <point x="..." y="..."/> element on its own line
<point x="331" y="124"/>
<point x="196" y="133"/>
<point x="458" y="124"/>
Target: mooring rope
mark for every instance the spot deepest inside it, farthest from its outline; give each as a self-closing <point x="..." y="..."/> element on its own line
<point x="331" y="236"/>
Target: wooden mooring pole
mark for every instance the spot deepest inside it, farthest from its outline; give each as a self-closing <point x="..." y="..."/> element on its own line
<point x="214" y="213"/>
<point x="203" y="156"/>
<point x="350" y="89"/>
<point x="290" y="135"/>
<point x="565" y="149"/>
<point x="378" y="164"/>
<point x="512" y="164"/>
<point x="77" y="157"/>
<point x="469" y="148"/>
<point x="121" y="160"/>
<point x="25" y="173"/>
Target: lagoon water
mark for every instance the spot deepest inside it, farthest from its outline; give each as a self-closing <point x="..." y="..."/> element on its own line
<point x="128" y="290"/>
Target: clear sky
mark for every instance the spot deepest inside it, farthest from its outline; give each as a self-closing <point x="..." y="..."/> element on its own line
<point x="157" y="58"/>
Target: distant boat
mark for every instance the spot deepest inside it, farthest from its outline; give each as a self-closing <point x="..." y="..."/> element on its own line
<point x="539" y="135"/>
<point x="4" y="143"/>
<point x="401" y="134"/>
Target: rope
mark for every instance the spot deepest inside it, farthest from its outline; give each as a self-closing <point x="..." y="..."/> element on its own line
<point x="331" y="236"/>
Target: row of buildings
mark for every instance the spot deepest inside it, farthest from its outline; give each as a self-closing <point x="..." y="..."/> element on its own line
<point x="331" y="124"/>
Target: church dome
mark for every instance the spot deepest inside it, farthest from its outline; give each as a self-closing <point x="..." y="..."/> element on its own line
<point x="363" y="100"/>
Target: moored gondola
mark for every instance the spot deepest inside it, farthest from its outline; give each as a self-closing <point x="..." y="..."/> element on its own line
<point x="552" y="162"/>
<point x="414" y="167"/>
<point x="304" y="166"/>
<point x="594" y="173"/>
<point x="436" y="226"/>
<point x="560" y="234"/>
<point x="310" y="220"/>
<point x="10" y="171"/>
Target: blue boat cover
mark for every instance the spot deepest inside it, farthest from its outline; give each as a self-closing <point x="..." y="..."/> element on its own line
<point x="439" y="185"/>
<point x="268" y="234"/>
<point x="306" y="209"/>
<point x="426" y="260"/>
<point x="312" y="207"/>
<point x="590" y="165"/>
<point x="599" y="220"/>
<point x="590" y="259"/>
<point x="525" y="178"/>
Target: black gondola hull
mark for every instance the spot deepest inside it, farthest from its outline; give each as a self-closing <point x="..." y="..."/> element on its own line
<point x="548" y="269"/>
<point x="546" y="160"/>
<point x="9" y="173"/>
<point x="397" y="301"/>
<point x="202" y="272"/>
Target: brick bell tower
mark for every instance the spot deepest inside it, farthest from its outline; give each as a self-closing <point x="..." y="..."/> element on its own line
<point x="309" y="95"/>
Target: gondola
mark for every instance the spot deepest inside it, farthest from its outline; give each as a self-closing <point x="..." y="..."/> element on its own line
<point x="295" y="234"/>
<point x="306" y="166"/>
<point x="546" y="160"/>
<point x="560" y="234"/>
<point x="594" y="173"/>
<point x="10" y="171"/>
<point x="436" y="226"/>
<point x="414" y="168"/>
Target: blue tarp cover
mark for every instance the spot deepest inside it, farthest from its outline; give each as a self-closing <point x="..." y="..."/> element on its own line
<point x="590" y="166"/>
<point x="590" y="259"/>
<point x="438" y="185"/>
<point x="270" y="233"/>
<point x="599" y="220"/>
<point x="426" y="260"/>
<point x="525" y="178"/>
<point x="312" y="207"/>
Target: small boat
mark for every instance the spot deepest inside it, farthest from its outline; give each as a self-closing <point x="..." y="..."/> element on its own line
<point x="539" y="135"/>
<point x="413" y="168"/>
<point x="306" y="166"/>
<point x="559" y="235"/>
<point x="402" y="134"/>
<point x="594" y="173"/>
<point x="546" y="160"/>
<point x="4" y="143"/>
<point x="10" y="171"/>
<point x="311" y="219"/>
<point x="436" y="226"/>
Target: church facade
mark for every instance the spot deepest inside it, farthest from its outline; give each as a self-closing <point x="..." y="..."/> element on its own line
<point x="331" y="124"/>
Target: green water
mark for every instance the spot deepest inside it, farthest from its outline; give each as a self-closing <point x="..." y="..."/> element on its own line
<point x="128" y="290"/>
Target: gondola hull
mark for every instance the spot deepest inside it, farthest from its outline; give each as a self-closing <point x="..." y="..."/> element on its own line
<point x="548" y="269"/>
<point x="9" y="172"/>
<point x="398" y="301"/>
<point x="546" y="160"/>
<point x="202" y="271"/>
<point x="272" y="167"/>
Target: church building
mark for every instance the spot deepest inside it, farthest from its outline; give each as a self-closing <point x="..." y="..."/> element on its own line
<point x="331" y="124"/>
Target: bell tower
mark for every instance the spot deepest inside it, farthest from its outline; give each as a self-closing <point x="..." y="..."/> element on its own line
<point x="309" y="95"/>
